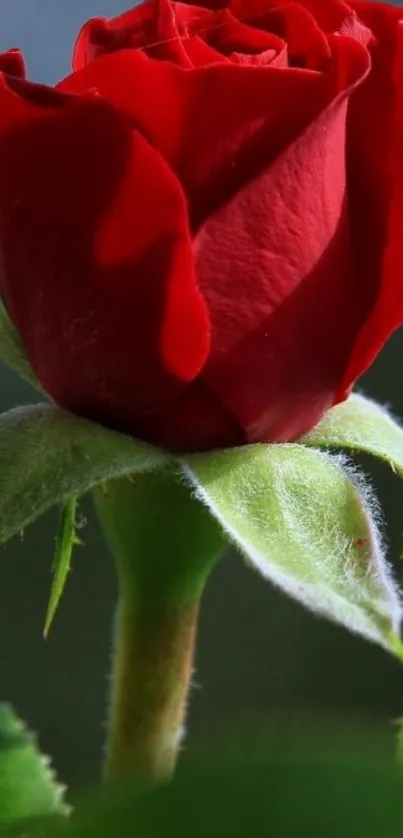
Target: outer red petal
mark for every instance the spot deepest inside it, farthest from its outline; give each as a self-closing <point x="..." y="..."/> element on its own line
<point x="195" y="421"/>
<point x="276" y="268"/>
<point x="375" y="152"/>
<point x="12" y="63"/>
<point x="216" y="126"/>
<point x="96" y="260"/>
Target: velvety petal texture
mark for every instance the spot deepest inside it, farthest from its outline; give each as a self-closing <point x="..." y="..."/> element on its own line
<point x="200" y="225"/>
<point x="89" y="206"/>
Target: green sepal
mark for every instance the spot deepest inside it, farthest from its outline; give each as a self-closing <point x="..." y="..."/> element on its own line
<point x="360" y="425"/>
<point x="12" y="351"/>
<point x="309" y="524"/>
<point x="48" y="456"/>
<point x="28" y="789"/>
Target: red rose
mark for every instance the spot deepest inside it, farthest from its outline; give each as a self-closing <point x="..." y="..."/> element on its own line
<point x="200" y="228"/>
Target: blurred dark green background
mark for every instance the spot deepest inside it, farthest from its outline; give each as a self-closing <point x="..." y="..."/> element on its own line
<point x="258" y="653"/>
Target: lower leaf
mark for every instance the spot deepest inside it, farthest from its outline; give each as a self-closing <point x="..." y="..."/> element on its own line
<point x="27" y="785"/>
<point x="360" y="424"/>
<point x="48" y="456"/>
<point x="310" y="526"/>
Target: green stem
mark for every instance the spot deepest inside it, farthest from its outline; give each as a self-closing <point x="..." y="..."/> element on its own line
<point x="165" y="545"/>
<point x="150" y="682"/>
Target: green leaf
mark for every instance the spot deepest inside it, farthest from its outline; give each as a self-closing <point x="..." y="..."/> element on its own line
<point x="12" y="350"/>
<point x="399" y="741"/>
<point x="292" y="791"/>
<point x="308" y="525"/>
<point x="48" y="456"/>
<point x="42" y="827"/>
<point x="66" y="538"/>
<point x="27" y="784"/>
<point x="361" y="425"/>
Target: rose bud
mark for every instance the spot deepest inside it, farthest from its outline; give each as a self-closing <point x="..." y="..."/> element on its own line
<point x="200" y="227"/>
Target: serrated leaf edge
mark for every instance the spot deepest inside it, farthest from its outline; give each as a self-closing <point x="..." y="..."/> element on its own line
<point x="49" y="774"/>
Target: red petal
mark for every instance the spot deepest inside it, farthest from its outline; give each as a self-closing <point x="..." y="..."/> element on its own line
<point x="307" y="45"/>
<point x="213" y="5"/>
<point x="375" y="173"/>
<point x="276" y="269"/>
<point x="216" y="126"/>
<point x="170" y="32"/>
<point x="329" y="14"/>
<point x="12" y="63"/>
<point x="149" y="26"/>
<point x="99" y="35"/>
<point x="224" y="32"/>
<point x="195" y="421"/>
<point x="97" y="263"/>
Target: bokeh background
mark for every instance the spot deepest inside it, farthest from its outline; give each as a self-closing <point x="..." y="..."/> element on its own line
<point x="260" y="657"/>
